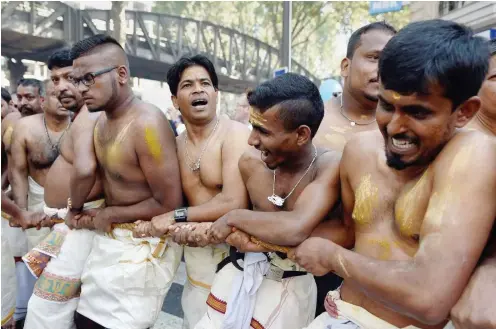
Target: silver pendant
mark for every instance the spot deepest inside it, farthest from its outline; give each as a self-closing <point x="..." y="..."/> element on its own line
<point x="276" y="200"/>
<point x="352" y="123"/>
<point x="196" y="167"/>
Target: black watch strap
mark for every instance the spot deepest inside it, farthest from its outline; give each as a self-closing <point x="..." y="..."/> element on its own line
<point x="181" y="215"/>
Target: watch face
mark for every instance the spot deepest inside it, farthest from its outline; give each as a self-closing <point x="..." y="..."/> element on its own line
<point x="180" y="213"/>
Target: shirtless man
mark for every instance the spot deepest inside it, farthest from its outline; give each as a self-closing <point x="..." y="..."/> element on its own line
<point x="7" y="103"/>
<point x="485" y="119"/>
<point x="359" y="101"/>
<point x="242" y="110"/>
<point x="292" y="186"/>
<point x="475" y="309"/>
<point x="125" y="280"/>
<point x="30" y="97"/>
<point x="51" y="308"/>
<point x="208" y="153"/>
<point x="354" y="110"/>
<point x="417" y="236"/>
<point x="35" y="146"/>
<point x="7" y="108"/>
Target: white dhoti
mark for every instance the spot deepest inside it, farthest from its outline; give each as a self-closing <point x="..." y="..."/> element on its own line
<point x="58" y="262"/>
<point x="201" y="265"/>
<point x="285" y="304"/>
<point x="352" y="317"/>
<point x="36" y="201"/>
<point x="18" y="243"/>
<point x="8" y="281"/>
<point x="125" y="280"/>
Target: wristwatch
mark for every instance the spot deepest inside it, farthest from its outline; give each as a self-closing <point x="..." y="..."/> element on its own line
<point x="181" y="215"/>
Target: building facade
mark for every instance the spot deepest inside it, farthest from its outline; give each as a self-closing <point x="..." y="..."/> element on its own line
<point x="478" y="15"/>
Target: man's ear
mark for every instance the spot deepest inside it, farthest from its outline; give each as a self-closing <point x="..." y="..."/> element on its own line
<point x="304" y="135"/>
<point x="123" y="75"/>
<point x="345" y="67"/>
<point x="466" y="111"/>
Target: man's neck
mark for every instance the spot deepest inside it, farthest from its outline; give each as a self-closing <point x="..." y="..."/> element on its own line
<point x="121" y="107"/>
<point x="298" y="162"/>
<point x="486" y="122"/>
<point x="198" y="132"/>
<point x="355" y="109"/>
<point x="56" y="123"/>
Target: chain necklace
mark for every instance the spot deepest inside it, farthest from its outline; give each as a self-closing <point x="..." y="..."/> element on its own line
<point x="57" y="145"/>
<point x="352" y="123"/>
<point x="277" y="200"/>
<point x="196" y="164"/>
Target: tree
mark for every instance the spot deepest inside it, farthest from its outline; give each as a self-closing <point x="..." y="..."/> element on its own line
<point x="118" y="17"/>
<point x="318" y="28"/>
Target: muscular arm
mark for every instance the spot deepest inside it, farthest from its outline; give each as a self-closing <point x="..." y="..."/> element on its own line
<point x="290" y="228"/>
<point x="84" y="173"/>
<point x="234" y="194"/>
<point x="156" y="150"/>
<point x="453" y="234"/>
<point x="19" y="167"/>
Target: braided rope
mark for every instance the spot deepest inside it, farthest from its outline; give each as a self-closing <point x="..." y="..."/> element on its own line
<point x="270" y="246"/>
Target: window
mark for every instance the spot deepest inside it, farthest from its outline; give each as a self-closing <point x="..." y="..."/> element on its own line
<point x="446" y="7"/>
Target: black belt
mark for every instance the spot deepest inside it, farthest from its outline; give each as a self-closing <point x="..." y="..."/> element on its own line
<point x="235" y="255"/>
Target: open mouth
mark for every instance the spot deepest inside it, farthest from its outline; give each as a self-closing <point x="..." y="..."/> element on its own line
<point x="199" y="102"/>
<point x="403" y="146"/>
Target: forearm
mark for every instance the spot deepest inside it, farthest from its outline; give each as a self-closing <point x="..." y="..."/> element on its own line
<point x="274" y="227"/>
<point x="20" y="187"/>
<point x="80" y="187"/>
<point x="10" y="207"/>
<point x="214" y="209"/>
<point x="336" y="231"/>
<point x="144" y="210"/>
<point x="400" y="285"/>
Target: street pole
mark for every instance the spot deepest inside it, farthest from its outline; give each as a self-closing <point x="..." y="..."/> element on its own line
<point x="286" y="35"/>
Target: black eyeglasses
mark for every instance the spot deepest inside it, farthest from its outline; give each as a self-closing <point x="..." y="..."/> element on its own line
<point x="89" y="78"/>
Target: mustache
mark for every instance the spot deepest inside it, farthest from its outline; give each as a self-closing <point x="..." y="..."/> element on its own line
<point x="65" y="95"/>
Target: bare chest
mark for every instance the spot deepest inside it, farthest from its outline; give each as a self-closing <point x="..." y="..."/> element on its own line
<point x="201" y="174"/>
<point x="41" y="154"/>
<point x="115" y="152"/>
<point x="382" y="204"/>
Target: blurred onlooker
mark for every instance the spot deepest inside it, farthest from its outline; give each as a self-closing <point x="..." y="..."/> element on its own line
<point x="7" y="103"/>
<point x="242" y="110"/>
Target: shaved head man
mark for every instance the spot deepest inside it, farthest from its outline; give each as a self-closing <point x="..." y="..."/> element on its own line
<point x="125" y="280"/>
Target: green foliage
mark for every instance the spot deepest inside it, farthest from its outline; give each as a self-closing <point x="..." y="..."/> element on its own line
<point x="320" y="30"/>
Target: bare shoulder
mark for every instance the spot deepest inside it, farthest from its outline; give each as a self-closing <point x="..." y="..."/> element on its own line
<point x="26" y="124"/>
<point x="363" y="145"/>
<point x="327" y="162"/>
<point x="11" y="118"/>
<point x="235" y="133"/>
<point x="468" y="151"/>
<point x="149" y="115"/>
<point x="248" y="162"/>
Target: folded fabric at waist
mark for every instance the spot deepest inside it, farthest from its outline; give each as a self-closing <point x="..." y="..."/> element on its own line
<point x="274" y="273"/>
<point x="61" y="213"/>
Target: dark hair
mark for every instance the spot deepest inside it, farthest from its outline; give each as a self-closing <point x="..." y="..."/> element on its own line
<point x="6" y="95"/>
<point x="86" y="45"/>
<point x="298" y="98"/>
<point x="177" y="69"/>
<point x="60" y="58"/>
<point x="29" y="82"/>
<point x="492" y="47"/>
<point x="355" y="39"/>
<point x="435" y="52"/>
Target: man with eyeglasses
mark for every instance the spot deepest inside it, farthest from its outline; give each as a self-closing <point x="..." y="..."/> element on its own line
<point x="125" y="280"/>
<point x="58" y="260"/>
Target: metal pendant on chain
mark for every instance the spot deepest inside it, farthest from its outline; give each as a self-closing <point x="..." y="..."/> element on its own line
<point x="352" y="122"/>
<point x="55" y="147"/>
<point x="279" y="201"/>
<point x="195" y="165"/>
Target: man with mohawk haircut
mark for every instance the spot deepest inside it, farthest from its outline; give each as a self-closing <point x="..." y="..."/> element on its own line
<point x="125" y="280"/>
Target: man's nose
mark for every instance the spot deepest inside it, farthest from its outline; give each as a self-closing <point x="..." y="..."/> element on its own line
<point x="253" y="139"/>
